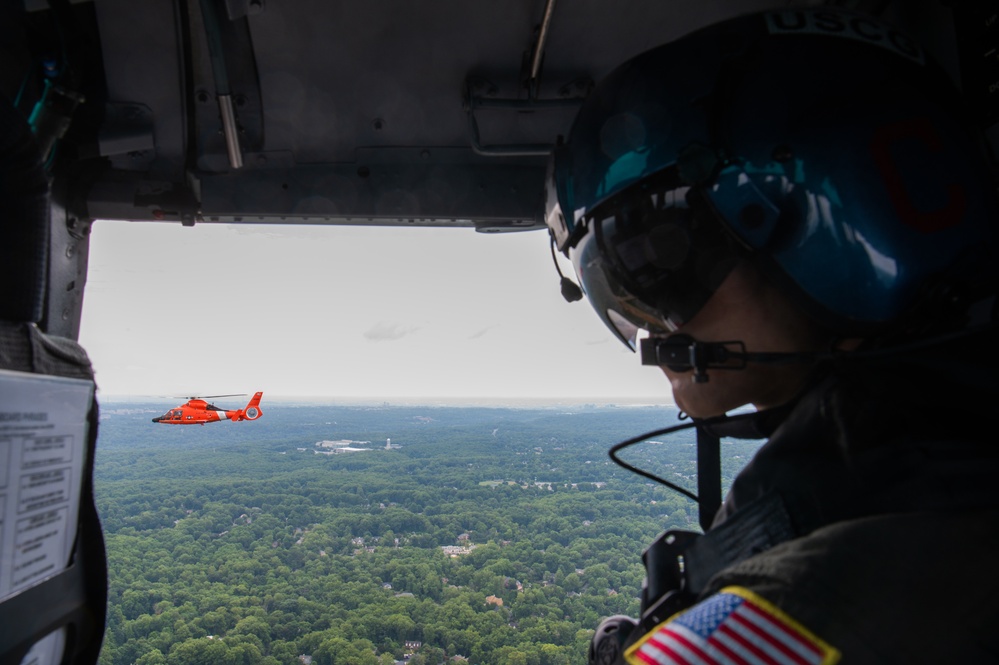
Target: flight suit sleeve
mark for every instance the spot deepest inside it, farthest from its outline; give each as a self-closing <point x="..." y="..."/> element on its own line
<point x="880" y="589"/>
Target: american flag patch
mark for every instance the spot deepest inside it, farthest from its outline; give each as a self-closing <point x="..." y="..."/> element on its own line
<point x="732" y="627"/>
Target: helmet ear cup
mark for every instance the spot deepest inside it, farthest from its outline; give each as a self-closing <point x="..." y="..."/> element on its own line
<point x="746" y="208"/>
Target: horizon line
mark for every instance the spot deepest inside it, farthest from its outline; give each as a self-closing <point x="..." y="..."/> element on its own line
<point x="423" y="399"/>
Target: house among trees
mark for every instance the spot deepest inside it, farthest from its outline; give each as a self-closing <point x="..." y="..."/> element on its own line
<point x="455" y="551"/>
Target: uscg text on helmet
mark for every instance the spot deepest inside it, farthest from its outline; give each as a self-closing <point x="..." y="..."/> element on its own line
<point x="848" y="26"/>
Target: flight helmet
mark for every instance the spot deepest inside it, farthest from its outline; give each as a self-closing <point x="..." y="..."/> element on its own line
<point x="822" y="146"/>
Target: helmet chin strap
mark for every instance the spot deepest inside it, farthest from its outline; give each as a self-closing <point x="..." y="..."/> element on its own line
<point x="683" y="353"/>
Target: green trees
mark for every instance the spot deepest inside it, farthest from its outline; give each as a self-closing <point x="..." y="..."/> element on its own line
<point x="234" y="546"/>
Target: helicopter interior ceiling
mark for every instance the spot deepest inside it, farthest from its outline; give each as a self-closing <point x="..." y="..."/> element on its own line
<point x="435" y="113"/>
<point x="388" y="113"/>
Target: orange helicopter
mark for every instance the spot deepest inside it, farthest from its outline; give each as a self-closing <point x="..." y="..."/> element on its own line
<point x="198" y="411"/>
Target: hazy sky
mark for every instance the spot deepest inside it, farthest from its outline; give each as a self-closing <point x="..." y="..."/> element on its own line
<point x="344" y="311"/>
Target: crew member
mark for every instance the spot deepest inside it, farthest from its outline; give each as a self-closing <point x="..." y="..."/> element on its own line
<point x="796" y="208"/>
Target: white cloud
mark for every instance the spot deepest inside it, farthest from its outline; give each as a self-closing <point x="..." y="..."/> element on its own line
<point x="482" y="333"/>
<point x="388" y="332"/>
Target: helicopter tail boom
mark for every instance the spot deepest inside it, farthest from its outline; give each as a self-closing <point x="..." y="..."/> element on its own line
<point x="251" y="411"/>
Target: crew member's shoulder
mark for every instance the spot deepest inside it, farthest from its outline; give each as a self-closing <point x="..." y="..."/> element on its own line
<point x="911" y="587"/>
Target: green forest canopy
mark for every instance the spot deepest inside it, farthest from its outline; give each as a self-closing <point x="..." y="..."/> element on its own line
<point x="499" y="535"/>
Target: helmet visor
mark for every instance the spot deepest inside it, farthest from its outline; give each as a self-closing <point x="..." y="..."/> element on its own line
<point x="652" y="255"/>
